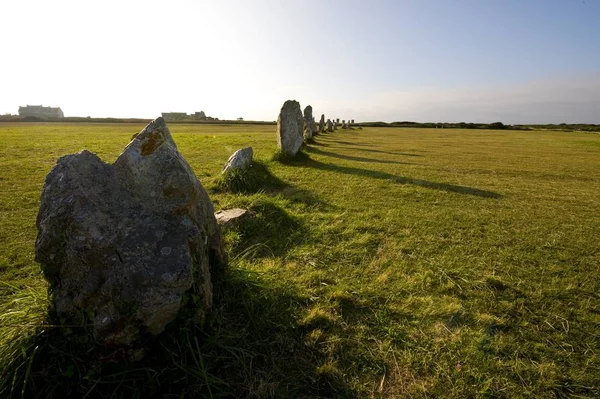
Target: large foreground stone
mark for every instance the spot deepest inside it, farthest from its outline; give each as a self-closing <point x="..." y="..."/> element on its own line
<point x="241" y="159"/>
<point x="123" y="244"/>
<point x="290" y="124"/>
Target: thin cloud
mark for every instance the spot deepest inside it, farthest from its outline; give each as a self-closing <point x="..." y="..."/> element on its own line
<point x="568" y="100"/>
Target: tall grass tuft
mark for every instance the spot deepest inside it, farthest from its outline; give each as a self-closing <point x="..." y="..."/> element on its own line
<point x="22" y="321"/>
<point x="253" y="179"/>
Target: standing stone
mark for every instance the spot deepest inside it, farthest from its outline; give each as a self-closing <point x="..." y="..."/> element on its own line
<point x="335" y="125"/>
<point x="241" y="159"/>
<point x="337" y="120"/>
<point x="352" y="122"/>
<point x="309" y="123"/>
<point x="322" y="124"/>
<point x="329" y="125"/>
<point x="290" y="124"/>
<point x="126" y="246"/>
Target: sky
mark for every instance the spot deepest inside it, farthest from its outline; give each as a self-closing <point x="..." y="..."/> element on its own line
<point x="514" y="61"/>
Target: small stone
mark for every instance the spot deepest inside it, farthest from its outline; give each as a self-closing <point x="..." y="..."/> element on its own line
<point x="241" y="159"/>
<point x="228" y="216"/>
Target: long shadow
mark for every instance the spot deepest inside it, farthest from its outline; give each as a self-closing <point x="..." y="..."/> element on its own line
<point x="360" y="147"/>
<point x="349" y="143"/>
<point x="396" y="179"/>
<point x="405" y="154"/>
<point x="353" y="158"/>
<point x="257" y="346"/>
<point x="320" y="143"/>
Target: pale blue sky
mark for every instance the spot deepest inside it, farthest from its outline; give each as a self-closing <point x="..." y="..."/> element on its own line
<point x="520" y="61"/>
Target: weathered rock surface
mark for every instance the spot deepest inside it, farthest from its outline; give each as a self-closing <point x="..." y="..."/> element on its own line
<point x="241" y="159"/>
<point x="335" y="125"/>
<point x="122" y="244"/>
<point x="329" y="125"/>
<point x="322" y="124"/>
<point x="290" y="124"/>
<point x="227" y="217"/>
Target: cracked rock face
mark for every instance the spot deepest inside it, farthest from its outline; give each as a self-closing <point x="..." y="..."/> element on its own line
<point x="290" y="124"/>
<point x="122" y="245"/>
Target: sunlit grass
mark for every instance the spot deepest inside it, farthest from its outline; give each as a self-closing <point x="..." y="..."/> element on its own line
<point x="383" y="261"/>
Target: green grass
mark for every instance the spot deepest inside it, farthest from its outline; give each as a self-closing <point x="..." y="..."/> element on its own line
<point x="386" y="262"/>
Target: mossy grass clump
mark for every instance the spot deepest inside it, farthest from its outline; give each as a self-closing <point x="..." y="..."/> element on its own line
<point x="257" y="177"/>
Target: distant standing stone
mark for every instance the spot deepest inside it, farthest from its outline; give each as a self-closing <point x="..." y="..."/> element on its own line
<point x="309" y="123"/>
<point x="322" y="124"/>
<point x="335" y="125"/>
<point x="290" y="124"/>
<point x="337" y="120"/>
<point x="241" y="159"/>
<point x="329" y="125"/>
<point x="123" y="245"/>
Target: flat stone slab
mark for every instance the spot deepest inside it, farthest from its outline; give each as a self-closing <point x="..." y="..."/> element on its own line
<point x="227" y="216"/>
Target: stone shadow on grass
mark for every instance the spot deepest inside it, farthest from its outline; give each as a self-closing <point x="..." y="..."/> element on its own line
<point x="354" y="158"/>
<point x="360" y="147"/>
<point x="404" y="154"/>
<point x="255" y="344"/>
<point x="256" y="178"/>
<point x="271" y="232"/>
<point x="304" y="197"/>
<point x="252" y="345"/>
<point x="309" y="162"/>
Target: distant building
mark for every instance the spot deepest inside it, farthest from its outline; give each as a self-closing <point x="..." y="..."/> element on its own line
<point x="199" y="116"/>
<point x="175" y="116"/>
<point x="39" y="111"/>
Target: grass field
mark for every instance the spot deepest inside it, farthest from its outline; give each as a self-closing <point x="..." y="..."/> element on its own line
<point x="388" y="262"/>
